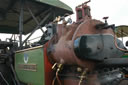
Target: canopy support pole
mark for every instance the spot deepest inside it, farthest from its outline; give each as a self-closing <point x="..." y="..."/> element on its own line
<point x="37" y="22"/>
<point x="38" y="26"/>
<point x="21" y="22"/>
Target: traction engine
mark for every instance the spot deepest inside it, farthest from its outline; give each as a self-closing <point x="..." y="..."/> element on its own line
<point x="86" y="52"/>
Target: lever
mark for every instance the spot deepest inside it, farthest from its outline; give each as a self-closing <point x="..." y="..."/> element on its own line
<point x="105" y="18"/>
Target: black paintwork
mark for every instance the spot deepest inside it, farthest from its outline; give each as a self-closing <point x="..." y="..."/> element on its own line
<point x="97" y="47"/>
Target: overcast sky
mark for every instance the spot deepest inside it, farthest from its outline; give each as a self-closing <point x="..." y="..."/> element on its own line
<point x="117" y="10"/>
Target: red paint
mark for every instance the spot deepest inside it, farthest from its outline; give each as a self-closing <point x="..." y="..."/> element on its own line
<point x="77" y="15"/>
<point x="82" y="9"/>
<point x="48" y="67"/>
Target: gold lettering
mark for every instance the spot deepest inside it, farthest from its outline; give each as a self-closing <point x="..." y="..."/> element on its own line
<point x="28" y="67"/>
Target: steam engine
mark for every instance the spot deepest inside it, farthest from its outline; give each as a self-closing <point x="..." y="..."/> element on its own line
<point x="86" y="52"/>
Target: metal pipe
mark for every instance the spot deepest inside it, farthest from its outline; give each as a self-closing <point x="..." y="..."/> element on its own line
<point x="21" y="22"/>
<point x="53" y="82"/>
<point x="4" y="78"/>
<point x="83" y="76"/>
<point x="15" y="75"/>
<point x="57" y="77"/>
<point x="115" y="43"/>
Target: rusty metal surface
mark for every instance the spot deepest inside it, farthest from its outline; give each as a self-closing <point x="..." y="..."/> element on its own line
<point x="61" y="45"/>
<point x="61" y="50"/>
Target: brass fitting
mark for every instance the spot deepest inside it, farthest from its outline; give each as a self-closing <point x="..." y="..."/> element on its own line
<point x="83" y="76"/>
<point x="54" y="66"/>
<point x="79" y="69"/>
<point x="57" y="19"/>
<point x="59" y="67"/>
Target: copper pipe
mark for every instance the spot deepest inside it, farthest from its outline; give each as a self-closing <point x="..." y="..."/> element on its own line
<point x="59" y="67"/>
<point x="53" y="68"/>
<point x="117" y="45"/>
<point x="82" y="76"/>
<point x="58" y="78"/>
<point x="53" y="82"/>
<point x="57" y="71"/>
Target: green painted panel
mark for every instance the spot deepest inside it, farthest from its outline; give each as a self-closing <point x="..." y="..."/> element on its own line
<point x="56" y="3"/>
<point x="26" y="59"/>
<point x="125" y="56"/>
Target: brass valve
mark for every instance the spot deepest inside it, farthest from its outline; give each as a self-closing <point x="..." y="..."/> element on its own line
<point x="57" y="66"/>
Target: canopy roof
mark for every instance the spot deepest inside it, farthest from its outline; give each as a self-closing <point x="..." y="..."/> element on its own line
<point x="122" y="31"/>
<point x="10" y="12"/>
